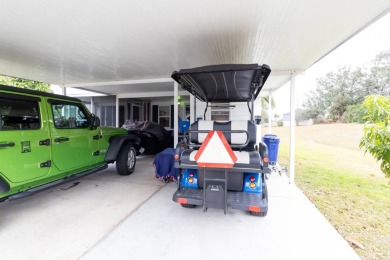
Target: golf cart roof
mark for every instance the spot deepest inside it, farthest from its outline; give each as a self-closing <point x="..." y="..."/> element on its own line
<point x="224" y="83"/>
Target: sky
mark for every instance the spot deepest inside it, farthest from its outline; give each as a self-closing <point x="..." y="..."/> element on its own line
<point x="357" y="52"/>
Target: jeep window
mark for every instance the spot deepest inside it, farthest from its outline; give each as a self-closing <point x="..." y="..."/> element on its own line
<point x="19" y="115"/>
<point x="69" y="116"/>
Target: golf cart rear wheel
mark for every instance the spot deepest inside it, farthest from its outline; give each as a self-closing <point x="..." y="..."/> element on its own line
<point x="258" y="214"/>
<point x="126" y="160"/>
<point x="189" y="206"/>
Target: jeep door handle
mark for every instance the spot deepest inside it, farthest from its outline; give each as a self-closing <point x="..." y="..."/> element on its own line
<point x="10" y="144"/>
<point x="61" y="139"/>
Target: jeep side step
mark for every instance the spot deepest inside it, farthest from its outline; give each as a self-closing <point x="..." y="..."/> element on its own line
<point x="44" y="187"/>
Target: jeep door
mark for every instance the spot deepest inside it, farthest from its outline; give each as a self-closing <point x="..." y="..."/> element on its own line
<point x="74" y="144"/>
<point x="24" y="138"/>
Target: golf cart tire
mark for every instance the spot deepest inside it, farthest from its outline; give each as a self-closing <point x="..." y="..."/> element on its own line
<point x="188" y="206"/>
<point x="126" y="160"/>
<point x="259" y="214"/>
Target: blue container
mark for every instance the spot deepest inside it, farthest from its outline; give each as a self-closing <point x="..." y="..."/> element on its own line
<point x="183" y="126"/>
<point x="272" y="141"/>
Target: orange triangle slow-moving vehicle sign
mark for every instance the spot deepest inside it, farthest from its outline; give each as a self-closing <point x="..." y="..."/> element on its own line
<point x="215" y="152"/>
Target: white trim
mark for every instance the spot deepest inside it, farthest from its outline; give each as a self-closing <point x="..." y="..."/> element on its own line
<point x="121" y="82"/>
<point x="287" y="72"/>
<point x="152" y="94"/>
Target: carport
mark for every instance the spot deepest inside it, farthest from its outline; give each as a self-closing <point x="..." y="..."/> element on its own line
<point x="130" y="48"/>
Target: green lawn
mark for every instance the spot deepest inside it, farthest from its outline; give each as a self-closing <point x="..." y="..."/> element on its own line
<point x="343" y="183"/>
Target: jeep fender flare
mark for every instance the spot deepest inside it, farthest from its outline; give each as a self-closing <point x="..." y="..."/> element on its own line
<point x="116" y="143"/>
<point x="4" y="186"/>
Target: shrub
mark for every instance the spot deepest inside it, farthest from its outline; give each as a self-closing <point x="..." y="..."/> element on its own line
<point x="376" y="138"/>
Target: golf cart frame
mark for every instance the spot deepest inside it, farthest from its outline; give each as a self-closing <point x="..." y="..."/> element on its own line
<point x="241" y="185"/>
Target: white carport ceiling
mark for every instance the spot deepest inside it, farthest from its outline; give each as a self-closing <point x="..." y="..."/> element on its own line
<point x="108" y="46"/>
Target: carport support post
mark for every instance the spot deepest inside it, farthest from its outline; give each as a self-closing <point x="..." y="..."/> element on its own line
<point x="63" y="90"/>
<point x="116" y="111"/>
<point x="175" y="114"/>
<point x="292" y="127"/>
<point x="92" y="106"/>
<point x="269" y="112"/>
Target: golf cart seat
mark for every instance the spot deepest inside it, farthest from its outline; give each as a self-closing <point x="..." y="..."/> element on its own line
<point x="241" y="136"/>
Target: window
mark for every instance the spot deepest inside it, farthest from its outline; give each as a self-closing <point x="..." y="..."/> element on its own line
<point x="19" y="115"/>
<point x="69" y="116"/>
<point x="164" y="115"/>
<point x="108" y="115"/>
<point x="220" y="112"/>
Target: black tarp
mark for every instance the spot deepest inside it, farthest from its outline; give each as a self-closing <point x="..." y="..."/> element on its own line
<point x="154" y="137"/>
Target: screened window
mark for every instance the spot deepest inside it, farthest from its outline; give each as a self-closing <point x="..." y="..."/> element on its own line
<point x="164" y="115"/>
<point x="69" y="116"/>
<point x="220" y="112"/>
<point x="108" y="116"/>
<point x="19" y="115"/>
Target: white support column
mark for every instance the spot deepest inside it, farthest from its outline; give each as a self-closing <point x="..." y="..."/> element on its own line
<point x="175" y="114"/>
<point x="192" y="109"/>
<point x="63" y="90"/>
<point x="116" y="111"/>
<point x="269" y="112"/>
<point x="92" y="106"/>
<point x="292" y="127"/>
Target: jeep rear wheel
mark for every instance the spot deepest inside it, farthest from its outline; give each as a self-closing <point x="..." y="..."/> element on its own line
<point x="126" y="160"/>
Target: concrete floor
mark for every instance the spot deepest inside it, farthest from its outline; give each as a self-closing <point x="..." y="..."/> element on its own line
<point x="107" y="216"/>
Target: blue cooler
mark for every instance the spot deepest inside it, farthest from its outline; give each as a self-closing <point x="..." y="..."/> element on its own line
<point x="272" y="141"/>
<point x="183" y="126"/>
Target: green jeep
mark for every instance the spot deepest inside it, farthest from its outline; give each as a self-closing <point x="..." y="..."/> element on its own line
<point x="47" y="140"/>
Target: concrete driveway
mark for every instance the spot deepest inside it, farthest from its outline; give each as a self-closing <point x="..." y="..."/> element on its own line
<point x="107" y="216"/>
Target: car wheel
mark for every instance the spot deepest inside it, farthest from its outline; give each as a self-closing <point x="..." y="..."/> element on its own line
<point x="189" y="206"/>
<point x="126" y="160"/>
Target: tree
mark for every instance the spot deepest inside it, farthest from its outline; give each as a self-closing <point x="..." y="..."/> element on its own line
<point x="334" y="93"/>
<point x="24" y="83"/>
<point x="376" y="138"/>
<point x="264" y="108"/>
<point x="354" y="114"/>
<point x="378" y="80"/>
<point x="347" y="87"/>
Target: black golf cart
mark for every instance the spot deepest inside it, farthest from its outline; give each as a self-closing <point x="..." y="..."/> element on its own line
<point x="220" y="163"/>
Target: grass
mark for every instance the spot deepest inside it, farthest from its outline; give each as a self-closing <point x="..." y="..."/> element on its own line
<point x="344" y="184"/>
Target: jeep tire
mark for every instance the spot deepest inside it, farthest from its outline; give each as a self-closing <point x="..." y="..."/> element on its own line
<point x="126" y="160"/>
